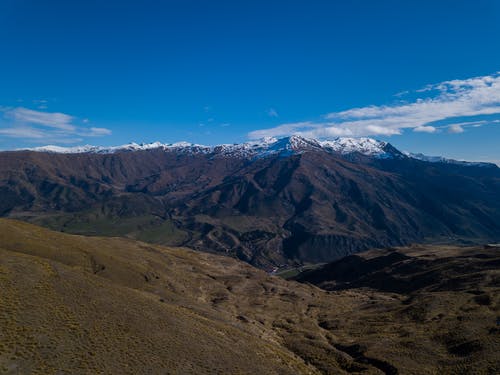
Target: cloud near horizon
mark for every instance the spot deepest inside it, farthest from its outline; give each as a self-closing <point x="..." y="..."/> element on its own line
<point x="445" y="101"/>
<point x="41" y="127"/>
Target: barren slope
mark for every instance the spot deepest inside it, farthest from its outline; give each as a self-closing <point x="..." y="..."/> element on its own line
<point x="111" y="305"/>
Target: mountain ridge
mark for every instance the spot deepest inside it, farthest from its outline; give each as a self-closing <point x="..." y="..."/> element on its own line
<point x="281" y="209"/>
<point x="265" y="147"/>
<point x="261" y="147"/>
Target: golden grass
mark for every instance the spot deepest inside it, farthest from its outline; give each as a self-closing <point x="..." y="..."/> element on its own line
<point x="89" y="305"/>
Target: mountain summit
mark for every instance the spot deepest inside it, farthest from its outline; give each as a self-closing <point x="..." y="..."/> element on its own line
<point x="265" y="147"/>
<point x="262" y="147"/>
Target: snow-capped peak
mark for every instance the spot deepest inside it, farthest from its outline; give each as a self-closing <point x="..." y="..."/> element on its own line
<point x="112" y="149"/>
<point x="365" y="146"/>
<point x="256" y="148"/>
<point x="265" y="147"/>
<point x="66" y="150"/>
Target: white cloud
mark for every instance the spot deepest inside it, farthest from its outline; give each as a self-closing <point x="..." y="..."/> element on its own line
<point x="98" y="132"/>
<point x="455" y="129"/>
<point x="326" y="132"/>
<point x="444" y="101"/>
<point x="382" y="130"/>
<point x="271" y="112"/>
<point x="22" y="132"/>
<point x="38" y="126"/>
<point x="284" y="129"/>
<point x="28" y="116"/>
<point x="425" y="129"/>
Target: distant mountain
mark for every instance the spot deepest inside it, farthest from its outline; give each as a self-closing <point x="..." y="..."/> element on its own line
<point x="260" y="148"/>
<point x="267" y="146"/>
<point x="270" y="202"/>
<point x="440" y="159"/>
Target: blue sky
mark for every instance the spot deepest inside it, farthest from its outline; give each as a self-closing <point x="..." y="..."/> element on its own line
<point x="420" y="74"/>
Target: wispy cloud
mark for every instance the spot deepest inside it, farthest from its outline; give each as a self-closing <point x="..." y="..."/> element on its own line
<point x="41" y="103"/>
<point x="271" y="112"/>
<point x="56" y="120"/>
<point x="445" y="101"/>
<point x="38" y="126"/>
<point x="96" y="132"/>
<point x="22" y="132"/>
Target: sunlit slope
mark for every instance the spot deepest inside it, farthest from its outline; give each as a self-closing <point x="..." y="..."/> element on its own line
<point x="93" y="305"/>
<point x="116" y="306"/>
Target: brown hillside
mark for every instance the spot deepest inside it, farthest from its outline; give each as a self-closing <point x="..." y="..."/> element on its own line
<point x="74" y="304"/>
<point x="310" y="207"/>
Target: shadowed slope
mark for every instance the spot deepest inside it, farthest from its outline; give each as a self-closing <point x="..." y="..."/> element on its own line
<point x="412" y="269"/>
<point x="311" y="207"/>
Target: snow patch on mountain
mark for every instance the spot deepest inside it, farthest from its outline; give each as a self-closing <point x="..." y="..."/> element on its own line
<point x="365" y="146"/>
<point x="268" y="146"/>
<point x="112" y="149"/>
<point x="259" y="148"/>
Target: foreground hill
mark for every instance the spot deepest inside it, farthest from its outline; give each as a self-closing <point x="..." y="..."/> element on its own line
<point x="74" y="304"/>
<point x="91" y="305"/>
<point x="280" y="202"/>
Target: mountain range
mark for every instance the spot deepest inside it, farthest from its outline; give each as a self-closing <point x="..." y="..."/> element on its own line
<point x="272" y="203"/>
